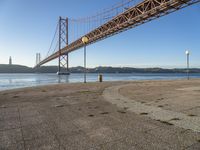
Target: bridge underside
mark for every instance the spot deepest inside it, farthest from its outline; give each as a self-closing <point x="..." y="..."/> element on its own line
<point x="141" y="13"/>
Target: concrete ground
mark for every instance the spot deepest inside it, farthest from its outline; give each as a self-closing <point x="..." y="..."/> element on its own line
<point x="176" y="96"/>
<point x="78" y="117"/>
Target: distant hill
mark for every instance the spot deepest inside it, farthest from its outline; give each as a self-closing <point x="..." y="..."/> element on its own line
<point x="53" y="69"/>
<point x="24" y="69"/>
<point x="15" y="69"/>
<point x="141" y="70"/>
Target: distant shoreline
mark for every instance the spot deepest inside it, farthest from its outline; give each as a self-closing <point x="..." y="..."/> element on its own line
<point x="53" y="69"/>
<point x="99" y="72"/>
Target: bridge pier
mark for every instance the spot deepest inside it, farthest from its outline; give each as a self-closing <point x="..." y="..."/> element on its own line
<point x="63" y="59"/>
<point x="63" y="65"/>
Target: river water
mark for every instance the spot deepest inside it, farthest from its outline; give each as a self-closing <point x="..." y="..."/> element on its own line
<point x="12" y="81"/>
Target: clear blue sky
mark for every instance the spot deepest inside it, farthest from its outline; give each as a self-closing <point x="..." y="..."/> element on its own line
<point x="27" y="27"/>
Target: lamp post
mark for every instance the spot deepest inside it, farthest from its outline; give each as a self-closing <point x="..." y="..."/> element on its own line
<point x="85" y="41"/>
<point x="188" y="65"/>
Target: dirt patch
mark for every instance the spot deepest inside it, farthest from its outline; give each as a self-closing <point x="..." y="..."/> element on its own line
<point x="143" y="113"/>
<point x="84" y="92"/>
<point x="104" y="113"/>
<point x="159" y="99"/>
<point x="121" y="111"/>
<point x="16" y="96"/>
<point x="166" y="122"/>
<point x="192" y="115"/>
<point x="175" y="119"/>
<point x="96" y="107"/>
<point x="125" y="108"/>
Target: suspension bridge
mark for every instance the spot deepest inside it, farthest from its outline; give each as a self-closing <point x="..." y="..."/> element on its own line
<point x="120" y="17"/>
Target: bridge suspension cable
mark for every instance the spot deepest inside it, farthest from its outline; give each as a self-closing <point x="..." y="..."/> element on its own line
<point x="53" y="42"/>
<point x="82" y="26"/>
<point x="121" y="17"/>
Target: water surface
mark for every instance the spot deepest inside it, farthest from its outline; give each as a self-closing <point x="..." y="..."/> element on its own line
<point x="11" y="81"/>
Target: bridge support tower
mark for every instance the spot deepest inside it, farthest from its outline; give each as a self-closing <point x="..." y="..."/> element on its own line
<point x="63" y="63"/>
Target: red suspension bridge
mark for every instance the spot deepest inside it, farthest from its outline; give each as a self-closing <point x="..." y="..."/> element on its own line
<point x="119" y="18"/>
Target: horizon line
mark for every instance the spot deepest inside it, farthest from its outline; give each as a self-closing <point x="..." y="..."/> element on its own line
<point x="114" y="66"/>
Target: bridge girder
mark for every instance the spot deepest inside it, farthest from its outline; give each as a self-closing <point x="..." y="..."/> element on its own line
<point x="141" y="13"/>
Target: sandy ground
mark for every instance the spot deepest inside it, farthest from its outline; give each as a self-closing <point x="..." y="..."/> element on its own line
<point x="77" y="117"/>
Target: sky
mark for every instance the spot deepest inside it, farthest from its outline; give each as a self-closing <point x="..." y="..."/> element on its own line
<point x="27" y="27"/>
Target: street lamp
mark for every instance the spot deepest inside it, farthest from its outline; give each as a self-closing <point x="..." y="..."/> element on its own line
<point x="85" y="41"/>
<point x="188" y="65"/>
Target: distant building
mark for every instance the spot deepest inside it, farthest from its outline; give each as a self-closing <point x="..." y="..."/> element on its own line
<point x="10" y="60"/>
<point x="38" y="58"/>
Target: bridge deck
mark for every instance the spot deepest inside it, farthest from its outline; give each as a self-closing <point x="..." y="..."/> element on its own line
<point x="141" y="13"/>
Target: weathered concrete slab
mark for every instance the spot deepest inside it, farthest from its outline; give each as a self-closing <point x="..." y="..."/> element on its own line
<point x="172" y="117"/>
<point x="11" y="139"/>
<point x="77" y="117"/>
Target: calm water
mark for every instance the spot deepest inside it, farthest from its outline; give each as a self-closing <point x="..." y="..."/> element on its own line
<point x="11" y="81"/>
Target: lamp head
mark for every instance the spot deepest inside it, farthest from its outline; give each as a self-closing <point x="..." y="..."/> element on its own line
<point x="187" y="52"/>
<point x="85" y="40"/>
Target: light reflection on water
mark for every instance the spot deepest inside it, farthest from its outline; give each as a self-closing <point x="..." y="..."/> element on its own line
<point x="11" y="81"/>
